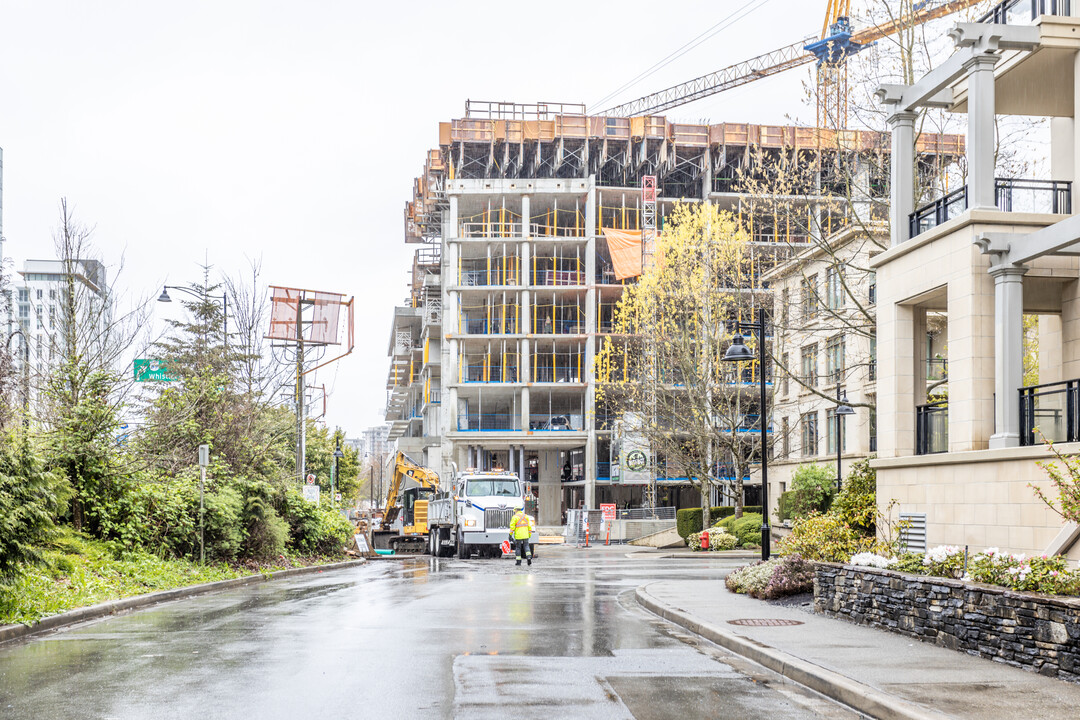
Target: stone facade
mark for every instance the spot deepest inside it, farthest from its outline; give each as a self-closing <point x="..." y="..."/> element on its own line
<point x="1040" y="633"/>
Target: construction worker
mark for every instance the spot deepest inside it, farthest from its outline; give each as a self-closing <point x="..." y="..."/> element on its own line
<point x="521" y="530"/>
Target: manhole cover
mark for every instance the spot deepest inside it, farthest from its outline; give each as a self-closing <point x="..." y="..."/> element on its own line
<point x="764" y="622"/>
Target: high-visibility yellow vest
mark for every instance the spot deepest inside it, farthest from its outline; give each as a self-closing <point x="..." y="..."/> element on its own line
<point x="521" y="525"/>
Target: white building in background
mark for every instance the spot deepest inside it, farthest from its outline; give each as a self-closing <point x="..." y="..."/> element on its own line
<point x="37" y="297"/>
<point x="375" y="441"/>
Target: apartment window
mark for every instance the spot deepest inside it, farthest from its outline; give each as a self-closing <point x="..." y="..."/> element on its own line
<point x="785" y="298"/>
<point x="52" y="317"/>
<point x="834" y="359"/>
<point x="830" y="432"/>
<point x="24" y="311"/>
<point x="809" y="434"/>
<point x="786" y="373"/>
<point x="872" y="292"/>
<point x="873" y="430"/>
<point x="40" y="293"/>
<point x="808" y="376"/>
<point x="783" y="487"/>
<point x="785" y="437"/>
<point x="52" y="294"/>
<point x="809" y="297"/>
<point x="871" y="370"/>
<point x="24" y="295"/>
<point x="834" y="289"/>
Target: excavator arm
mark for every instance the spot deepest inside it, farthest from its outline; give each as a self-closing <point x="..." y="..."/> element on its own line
<point x="405" y="467"/>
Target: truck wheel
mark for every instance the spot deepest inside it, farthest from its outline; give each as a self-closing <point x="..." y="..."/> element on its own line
<point x="433" y="543"/>
<point x="462" y="548"/>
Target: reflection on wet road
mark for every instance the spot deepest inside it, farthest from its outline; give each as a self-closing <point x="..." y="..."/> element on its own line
<point x="411" y="638"/>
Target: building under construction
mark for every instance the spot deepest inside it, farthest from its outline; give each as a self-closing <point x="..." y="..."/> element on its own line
<point x="514" y="282"/>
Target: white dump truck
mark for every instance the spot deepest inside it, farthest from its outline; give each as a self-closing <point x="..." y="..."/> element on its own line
<point x="473" y="516"/>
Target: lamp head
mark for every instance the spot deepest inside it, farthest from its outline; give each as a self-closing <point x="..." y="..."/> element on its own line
<point x="843" y="408"/>
<point x="164" y="296"/>
<point x="738" y="352"/>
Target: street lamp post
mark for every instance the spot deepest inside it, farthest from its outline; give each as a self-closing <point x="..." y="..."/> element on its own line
<point x="223" y="297"/>
<point x="738" y="352"/>
<point x="333" y="477"/>
<point x="842" y="409"/>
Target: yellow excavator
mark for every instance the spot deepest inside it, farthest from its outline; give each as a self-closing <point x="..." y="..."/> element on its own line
<point x="405" y="517"/>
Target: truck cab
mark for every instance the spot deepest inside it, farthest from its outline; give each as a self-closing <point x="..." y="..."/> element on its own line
<point x="475" y="515"/>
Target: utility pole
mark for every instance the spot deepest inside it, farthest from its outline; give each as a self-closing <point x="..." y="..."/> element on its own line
<point x="300" y="389"/>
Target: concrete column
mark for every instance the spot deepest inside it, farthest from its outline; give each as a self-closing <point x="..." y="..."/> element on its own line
<point x="902" y="173"/>
<point x="1070" y="330"/>
<point x="550" y="491"/>
<point x="1062" y="148"/>
<point x="525" y="408"/>
<point x="896" y="383"/>
<point x="971" y="340"/>
<point x="980" y="137"/>
<point x="449" y="348"/>
<point x="590" y="346"/>
<point x="1008" y="353"/>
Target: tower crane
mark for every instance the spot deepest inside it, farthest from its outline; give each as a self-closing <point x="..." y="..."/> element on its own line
<point x="831" y="50"/>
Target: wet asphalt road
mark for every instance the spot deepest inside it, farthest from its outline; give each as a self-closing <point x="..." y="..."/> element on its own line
<point x="411" y="638"/>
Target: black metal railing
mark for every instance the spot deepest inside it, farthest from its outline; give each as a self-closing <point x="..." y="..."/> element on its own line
<point x="1037" y="196"/>
<point x="1010" y="195"/>
<point x="1051" y="410"/>
<point x="937" y="212"/>
<point x="932" y="428"/>
<point x="1021" y="12"/>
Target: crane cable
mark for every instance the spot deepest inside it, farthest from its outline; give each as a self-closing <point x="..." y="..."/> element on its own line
<point x="722" y="24"/>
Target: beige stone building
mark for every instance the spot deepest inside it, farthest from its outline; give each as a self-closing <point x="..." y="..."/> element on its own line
<point x="824" y="320"/>
<point x="980" y="259"/>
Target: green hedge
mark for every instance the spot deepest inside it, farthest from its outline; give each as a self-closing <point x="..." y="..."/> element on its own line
<point x="688" y="521"/>
<point x="747" y="528"/>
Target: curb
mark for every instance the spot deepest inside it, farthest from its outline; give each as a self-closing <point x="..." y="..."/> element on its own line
<point x="135" y="602"/>
<point x="863" y="698"/>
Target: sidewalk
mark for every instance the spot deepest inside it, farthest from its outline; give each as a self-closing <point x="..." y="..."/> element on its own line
<point x="879" y="673"/>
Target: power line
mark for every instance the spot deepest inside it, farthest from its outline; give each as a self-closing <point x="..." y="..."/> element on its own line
<point x="721" y="24"/>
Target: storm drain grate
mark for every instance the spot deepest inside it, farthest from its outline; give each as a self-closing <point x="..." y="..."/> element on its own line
<point x="764" y="622"/>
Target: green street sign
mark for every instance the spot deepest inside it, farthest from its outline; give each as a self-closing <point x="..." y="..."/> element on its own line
<point x="149" y="370"/>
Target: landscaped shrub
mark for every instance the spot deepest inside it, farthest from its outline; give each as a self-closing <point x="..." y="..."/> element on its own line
<point x="1044" y="574"/>
<point x="30" y="498"/>
<point x="826" y="538"/>
<point x="719" y="539"/>
<point x="314" y="530"/>
<point x="747" y="529"/>
<point x="689" y="520"/>
<point x="812" y="489"/>
<point x="773" y="578"/>
<point x="856" y="503"/>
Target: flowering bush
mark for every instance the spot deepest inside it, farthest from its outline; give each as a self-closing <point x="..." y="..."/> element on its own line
<point x="870" y="559"/>
<point x="773" y="578"/>
<point x="826" y="538"/>
<point x="719" y="539"/>
<point x="944" y="561"/>
<point x="751" y="579"/>
<point x="1037" y="574"/>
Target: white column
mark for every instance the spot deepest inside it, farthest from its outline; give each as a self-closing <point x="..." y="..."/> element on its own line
<point x="980" y="138"/>
<point x="902" y="173"/>
<point x="1008" y="353"/>
<point x="1062" y="148"/>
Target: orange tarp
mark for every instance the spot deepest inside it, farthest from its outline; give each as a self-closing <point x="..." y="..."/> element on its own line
<point x="625" y="248"/>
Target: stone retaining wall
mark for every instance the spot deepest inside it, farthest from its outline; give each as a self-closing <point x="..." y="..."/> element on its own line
<point x="1035" y="632"/>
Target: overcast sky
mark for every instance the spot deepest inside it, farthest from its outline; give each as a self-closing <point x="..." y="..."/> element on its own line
<point x="291" y="131"/>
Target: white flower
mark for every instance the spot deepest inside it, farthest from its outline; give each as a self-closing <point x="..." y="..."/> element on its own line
<point x="869" y="559"/>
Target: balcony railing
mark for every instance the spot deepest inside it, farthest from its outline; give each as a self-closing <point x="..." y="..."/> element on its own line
<point x="1035" y="196"/>
<point x="557" y="374"/>
<point x="1023" y="12"/>
<point x="1050" y="411"/>
<point x="932" y="428"/>
<point x="488" y="422"/>
<point x="493" y="373"/>
<point x="937" y="212"/>
<point x="1010" y="195"/>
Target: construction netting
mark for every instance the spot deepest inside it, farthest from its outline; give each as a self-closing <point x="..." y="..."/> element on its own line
<point x="320" y="313"/>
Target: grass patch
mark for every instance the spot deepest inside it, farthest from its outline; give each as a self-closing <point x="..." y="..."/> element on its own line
<point x="82" y="572"/>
